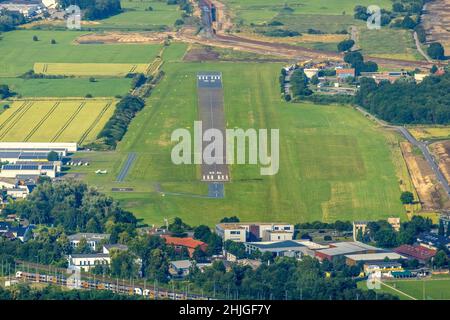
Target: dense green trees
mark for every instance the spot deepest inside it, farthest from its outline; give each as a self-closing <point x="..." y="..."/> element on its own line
<point x="286" y="278"/>
<point x="299" y="84"/>
<point x="407" y="102"/>
<point x="436" y="51"/>
<point x="382" y="233"/>
<point x="407" y="197"/>
<point x="95" y="9"/>
<point x="74" y="207"/>
<point x="356" y="60"/>
<point x="345" y="45"/>
<point x="4" y="91"/>
<point x="9" y="20"/>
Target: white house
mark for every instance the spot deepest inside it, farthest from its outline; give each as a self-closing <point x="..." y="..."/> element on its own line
<point x="92" y="239"/>
<point x="88" y="261"/>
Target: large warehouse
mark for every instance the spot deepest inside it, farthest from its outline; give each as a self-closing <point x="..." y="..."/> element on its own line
<point x="13" y="170"/>
<point x="39" y="146"/>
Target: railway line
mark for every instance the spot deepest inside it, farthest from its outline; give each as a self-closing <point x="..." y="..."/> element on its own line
<point x="118" y="286"/>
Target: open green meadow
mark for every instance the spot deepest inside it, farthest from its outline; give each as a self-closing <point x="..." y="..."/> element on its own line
<point x="19" y="53"/>
<point x="55" y="120"/>
<point x="334" y="163"/>
<point x="68" y="87"/>
<point x="436" y="288"/>
<point x="136" y="15"/>
<point x="259" y="11"/>
<point x="388" y="43"/>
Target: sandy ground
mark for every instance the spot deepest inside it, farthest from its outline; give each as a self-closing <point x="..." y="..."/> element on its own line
<point x="436" y="21"/>
<point x="441" y="150"/>
<point x="429" y="191"/>
<point x="124" y="37"/>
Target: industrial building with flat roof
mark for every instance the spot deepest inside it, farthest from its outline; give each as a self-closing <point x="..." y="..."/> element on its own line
<point x="49" y="146"/>
<point x="290" y="248"/>
<point x="352" y="259"/>
<point x="344" y="248"/>
<point x="49" y="169"/>
<point x="255" y="231"/>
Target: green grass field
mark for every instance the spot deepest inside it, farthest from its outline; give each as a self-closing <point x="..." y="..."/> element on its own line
<point x="335" y="164"/>
<point x="19" y="52"/>
<point x="135" y="15"/>
<point x="55" y="120"/>
<point x="89" y="69"/>
<point x="436" y="288"/>
<point x="68" y="87"/>
<point x="386" y="42"/>
<point x="258" y="11"/>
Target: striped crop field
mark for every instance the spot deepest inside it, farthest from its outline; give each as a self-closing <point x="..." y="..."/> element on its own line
<point x="55" y="120"/>
<point x="89" y="69"/>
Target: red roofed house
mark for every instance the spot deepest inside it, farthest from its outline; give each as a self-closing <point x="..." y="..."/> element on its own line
<point x="188" y="243"/>
<point x="342" y="74"/>
<point x="420" y="253"/>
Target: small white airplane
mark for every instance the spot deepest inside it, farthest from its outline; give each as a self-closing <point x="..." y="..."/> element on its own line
<point x="101" y="172"/>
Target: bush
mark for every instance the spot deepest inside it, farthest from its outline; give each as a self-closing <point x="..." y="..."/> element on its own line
<point x="407" y="197"/>
<point x="345" y="45"/>
<point x="436" y="51"/>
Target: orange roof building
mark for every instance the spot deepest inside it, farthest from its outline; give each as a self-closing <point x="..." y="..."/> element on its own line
<point x="188" y="243"/>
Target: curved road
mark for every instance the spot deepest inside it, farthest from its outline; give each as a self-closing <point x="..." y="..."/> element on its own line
<point x="421" y="145"/>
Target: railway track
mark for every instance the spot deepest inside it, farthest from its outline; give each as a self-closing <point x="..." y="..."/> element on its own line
<point x="118" y="286"/>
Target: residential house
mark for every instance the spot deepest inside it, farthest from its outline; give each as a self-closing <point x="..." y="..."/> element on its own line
<point x="87" y="261"/>
<point x="92" y="239"/>
<point x="189" y="243"/>
<point x="418" y="252"/>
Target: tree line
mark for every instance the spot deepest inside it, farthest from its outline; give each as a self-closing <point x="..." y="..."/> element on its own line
<point x="405" y="102"/>
<point x="95" y="9"/>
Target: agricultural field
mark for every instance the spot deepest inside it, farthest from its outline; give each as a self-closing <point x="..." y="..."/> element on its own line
<point x="19" y="53"/>
<point x="430" y="133"/>
<point x="354" y="176"/>
<point x="435" y="288"/>
<point x="136" y="15"/>
<point x="89" y="69"/>
<point x="55" y="120"/>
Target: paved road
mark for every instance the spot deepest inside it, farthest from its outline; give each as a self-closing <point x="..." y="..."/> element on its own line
<point x="421" y="145"/>
<point x="123" y="173"/>
<point x="419" y="48"/>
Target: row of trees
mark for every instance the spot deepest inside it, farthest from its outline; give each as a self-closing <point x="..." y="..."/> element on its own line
<point x="117" y="125"/>
<point x="406" y="102"/>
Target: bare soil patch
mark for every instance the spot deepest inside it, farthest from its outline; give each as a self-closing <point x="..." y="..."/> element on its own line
<point x="430" y="192"/>
<point x="436" y="21"/>
<point x="441" y="150"/>
<point x="123" y="37"/>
